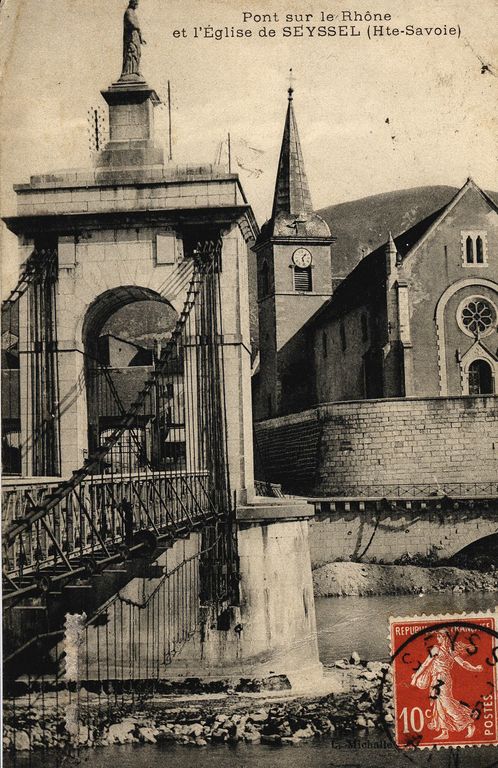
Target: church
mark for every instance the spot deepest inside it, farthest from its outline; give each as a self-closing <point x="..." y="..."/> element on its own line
<point x="415" y="317"/>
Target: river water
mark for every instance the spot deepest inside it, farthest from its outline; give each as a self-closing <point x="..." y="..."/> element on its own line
<point x="344" y="624"/>
<point x="375" y="752"/>
<point x="347" y="624"/>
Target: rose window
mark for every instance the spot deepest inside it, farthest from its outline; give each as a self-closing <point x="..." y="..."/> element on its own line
<point x="478" y="316"/>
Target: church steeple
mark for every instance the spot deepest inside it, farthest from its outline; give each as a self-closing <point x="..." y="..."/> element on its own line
<point x="292" y="194"/>
<point x="294" y="264"/>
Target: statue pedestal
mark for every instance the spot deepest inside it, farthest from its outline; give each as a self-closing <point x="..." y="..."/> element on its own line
<point x="131" y="125"/>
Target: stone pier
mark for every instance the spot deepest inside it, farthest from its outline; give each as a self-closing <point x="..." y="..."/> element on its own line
<point x="270" y="634"/>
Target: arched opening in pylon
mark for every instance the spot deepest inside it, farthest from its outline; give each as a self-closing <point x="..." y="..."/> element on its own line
<point x="125" y="334"/>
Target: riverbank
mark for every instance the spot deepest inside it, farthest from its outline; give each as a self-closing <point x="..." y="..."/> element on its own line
<point x="366" y="579"/>
<point x="361" y="703"/>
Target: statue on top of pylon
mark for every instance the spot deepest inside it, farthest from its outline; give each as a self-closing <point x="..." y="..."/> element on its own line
<point x="132" y="41"/>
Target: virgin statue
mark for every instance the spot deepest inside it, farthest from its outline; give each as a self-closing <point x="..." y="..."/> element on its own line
<point x="132" y="41"/>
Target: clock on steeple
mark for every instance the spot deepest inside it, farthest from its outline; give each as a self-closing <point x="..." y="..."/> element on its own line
<point x="302" y="258"/>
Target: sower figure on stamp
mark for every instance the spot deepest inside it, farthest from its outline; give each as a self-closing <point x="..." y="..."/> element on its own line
<point x="132" y="41"/>
<point x="447" y="714"/>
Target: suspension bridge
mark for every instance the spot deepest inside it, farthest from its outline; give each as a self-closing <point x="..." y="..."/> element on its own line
<point x="125" y="498"/>
<point x="135" y="551"/>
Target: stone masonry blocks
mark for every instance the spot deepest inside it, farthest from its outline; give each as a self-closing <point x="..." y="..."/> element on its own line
<point x="410" y="441"/>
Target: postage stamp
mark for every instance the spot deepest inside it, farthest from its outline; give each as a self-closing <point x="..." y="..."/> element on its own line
<point x="444" y="680"/>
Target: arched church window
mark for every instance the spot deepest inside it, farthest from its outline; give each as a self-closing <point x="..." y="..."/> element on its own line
<point x="477" y="316"/>
<point x="474" y="248"/>
<point x="480" y="378"/>
<point x="324" y="343"/>
<point x="469" y="246"/>
<point x="479" y="250"/>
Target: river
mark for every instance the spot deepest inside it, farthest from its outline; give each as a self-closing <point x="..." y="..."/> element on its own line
<point x="347" y="624"/>
<point x="376" y="751"/>
<point x="344" y="624"/>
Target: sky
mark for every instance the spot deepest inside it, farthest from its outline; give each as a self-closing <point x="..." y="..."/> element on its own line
<point x="378" y="114"/>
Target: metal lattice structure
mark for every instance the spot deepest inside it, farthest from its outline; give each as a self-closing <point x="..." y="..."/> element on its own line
<point x="37" y="313"/>
<point x="155" y="481"/>
<point x="88" y="515"/>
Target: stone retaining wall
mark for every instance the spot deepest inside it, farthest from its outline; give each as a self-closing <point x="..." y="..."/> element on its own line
<point x="337" y="447"/>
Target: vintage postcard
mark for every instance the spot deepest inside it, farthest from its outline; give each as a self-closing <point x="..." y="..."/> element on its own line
<point x="249" y="412"/>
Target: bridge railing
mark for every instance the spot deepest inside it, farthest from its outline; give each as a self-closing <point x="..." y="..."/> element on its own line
<point x="484" y="489"/>
<point x="126" y="494"/>
<point x="101" y="513"/>
<point x="417" y="490"/>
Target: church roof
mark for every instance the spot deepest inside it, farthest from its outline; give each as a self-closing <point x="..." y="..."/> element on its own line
<point x="406" y="240"/>
<point x="292" y="213"/>
<point x="363" y="281"/>
<point x="292" y="194"/>
<point x="369" y="273"/>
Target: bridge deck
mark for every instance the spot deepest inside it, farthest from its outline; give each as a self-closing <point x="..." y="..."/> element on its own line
<point x="102" y="521"/>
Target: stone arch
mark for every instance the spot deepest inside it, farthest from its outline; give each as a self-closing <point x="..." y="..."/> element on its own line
<point x="483" y="549"/>
<point x="109" y="390"/>
<point x="108" y="303"/>
<point x="439" y="320"/>
<point x="91" y="288"/>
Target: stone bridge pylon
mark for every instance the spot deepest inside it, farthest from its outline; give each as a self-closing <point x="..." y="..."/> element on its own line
<point x="134" y="427"/>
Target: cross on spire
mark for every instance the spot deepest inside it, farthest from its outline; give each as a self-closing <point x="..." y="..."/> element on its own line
<point x="291" y="84"/>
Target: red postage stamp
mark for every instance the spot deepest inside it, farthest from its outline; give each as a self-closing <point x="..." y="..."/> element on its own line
<point x="444" y="680"/>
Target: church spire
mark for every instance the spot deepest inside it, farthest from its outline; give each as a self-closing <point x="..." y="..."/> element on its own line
<point x="391" y="249"/>
<point x="292" y="194"/>
<point x="393" y="258"/>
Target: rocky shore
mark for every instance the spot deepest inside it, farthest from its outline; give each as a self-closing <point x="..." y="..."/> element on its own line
<point x="364" y="579"/>
<point x="364" y="704"/>
<point x="245" y="713"/>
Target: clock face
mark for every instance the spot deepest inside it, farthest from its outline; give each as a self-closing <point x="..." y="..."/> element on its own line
<point x="301" y="258"/>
